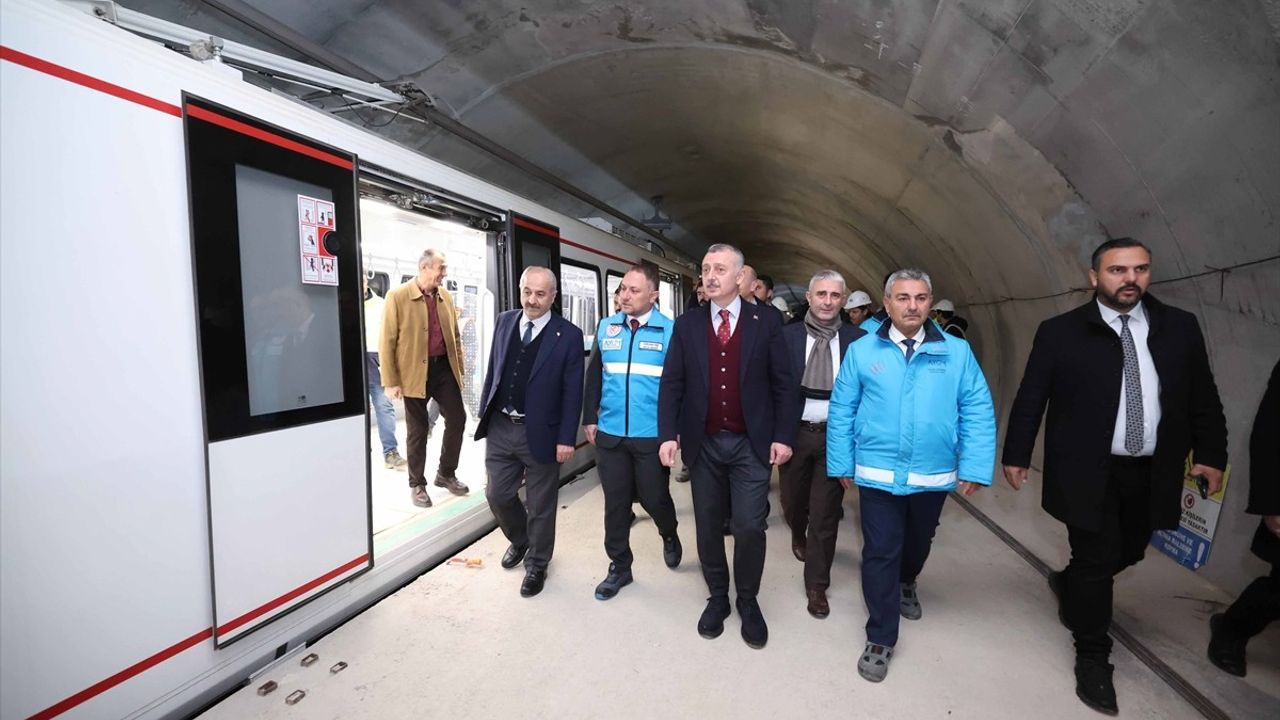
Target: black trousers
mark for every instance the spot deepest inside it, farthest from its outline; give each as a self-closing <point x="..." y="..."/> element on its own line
<point x="1257" y="607"/>
<point x="509" y="464"/>
<point x="811" y="504"/>
<point x="630" y="468"/>
<point x="1097" y="556"/>
<point x="727" y="465"/>
<point x="442" y="386"/>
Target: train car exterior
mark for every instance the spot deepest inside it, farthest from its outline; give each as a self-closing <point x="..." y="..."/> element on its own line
<point x="115" y="527"/>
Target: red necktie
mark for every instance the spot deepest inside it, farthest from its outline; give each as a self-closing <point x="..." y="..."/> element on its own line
<point x="723" y="332"/>
<point x="635" y="324"/>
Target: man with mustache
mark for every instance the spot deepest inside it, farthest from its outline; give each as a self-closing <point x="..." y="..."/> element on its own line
<point x="910" y="420"/>
<point x="529" y="412"/>
<point x="1129" y="392"/>
<point x="727" y="399"/>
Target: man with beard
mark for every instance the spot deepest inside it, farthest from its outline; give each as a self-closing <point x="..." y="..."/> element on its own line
<point x="620" y="417"/>
<point x="728" y="395"/>
<point x="529" y="412"/>
<point x="1129" y="392"/>
<point x="810" y="499"/>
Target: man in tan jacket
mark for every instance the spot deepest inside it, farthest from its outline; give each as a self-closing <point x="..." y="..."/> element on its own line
<point x="421" y="354"/>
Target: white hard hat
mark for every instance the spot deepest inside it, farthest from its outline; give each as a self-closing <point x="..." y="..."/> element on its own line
<point x="945" y="306"/>
<point x="857" y="299"/>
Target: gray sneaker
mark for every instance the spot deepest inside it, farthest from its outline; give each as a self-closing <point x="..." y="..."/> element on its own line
<point x="909" y="602"/>
<point x="874" y="663"/>
<point x="394" y="461"/>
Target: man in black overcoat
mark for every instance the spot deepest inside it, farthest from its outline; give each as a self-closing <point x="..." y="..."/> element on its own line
<point x="1259" y="604"/>
<point x="1129" y="392"/>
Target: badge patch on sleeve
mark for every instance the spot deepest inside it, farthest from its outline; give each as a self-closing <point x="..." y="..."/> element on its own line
<point x="649" y="345"/>
<point x="613" y="330"/>
<point x="611" y="344"/>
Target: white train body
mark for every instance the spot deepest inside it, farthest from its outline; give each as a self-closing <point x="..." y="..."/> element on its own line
<point x="107" y="604"/>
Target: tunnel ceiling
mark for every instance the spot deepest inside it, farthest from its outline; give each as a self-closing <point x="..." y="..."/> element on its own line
<point x="992" y="141"/>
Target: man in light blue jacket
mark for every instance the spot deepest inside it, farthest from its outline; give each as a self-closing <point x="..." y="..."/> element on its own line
<point x="910" y="420"/>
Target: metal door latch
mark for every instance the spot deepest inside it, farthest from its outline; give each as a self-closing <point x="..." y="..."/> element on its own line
<point x="337" y="668"/>
<point x="309" y="660"/>
<point x="295" y="697"/>
<point x="267" y="687"/>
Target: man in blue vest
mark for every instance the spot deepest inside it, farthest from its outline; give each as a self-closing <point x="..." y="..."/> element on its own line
<point x="620" y="417"/>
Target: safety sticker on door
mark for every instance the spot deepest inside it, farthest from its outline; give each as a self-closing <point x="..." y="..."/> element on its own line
<point x="315" y="222"/>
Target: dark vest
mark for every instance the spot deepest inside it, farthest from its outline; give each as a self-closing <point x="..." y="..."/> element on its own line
<point x="515" y="376"/>
<point x="724" y="407"/>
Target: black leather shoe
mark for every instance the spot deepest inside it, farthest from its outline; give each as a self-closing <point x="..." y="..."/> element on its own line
<point x="513" y="555"/>
<point x="1226" y="650"/>
<point x="418" y="494"/>
<point x="711" y="624"/>
<point x="1094" y="687"/>
<point x="754" y="630"/>
<point x="818" y="605"/>
<point x="533" y="582"/>
<point x="672" y="551"/>
<point x="452" y="484"/>
<point x="613" y="582"/>
<point x="1055" y="586"/>
<point x="798" y="549"/>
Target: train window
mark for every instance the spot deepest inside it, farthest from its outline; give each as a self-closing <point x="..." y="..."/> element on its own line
<point x="580" y="298"/>
<point x="533" y="242"/>
<point x="667" y="297"/>
<point x="405" y="278"/>
<point x="611" y="282"/>
<point x="379" y="283"/>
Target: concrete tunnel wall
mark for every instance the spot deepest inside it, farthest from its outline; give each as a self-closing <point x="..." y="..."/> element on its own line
<point x="994" y="143"/>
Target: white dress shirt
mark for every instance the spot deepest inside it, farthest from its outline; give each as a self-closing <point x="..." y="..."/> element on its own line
<point x="537" y="325"/>
<point x="897" y="337"/>
<point x="816" y="410"/>
<point x="642" y="319"/>
<point x="734" y="308"/>
<point x="1138" y="328"/>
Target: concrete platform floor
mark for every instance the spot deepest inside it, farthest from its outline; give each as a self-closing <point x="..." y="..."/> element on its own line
<point x="462" y="643"/>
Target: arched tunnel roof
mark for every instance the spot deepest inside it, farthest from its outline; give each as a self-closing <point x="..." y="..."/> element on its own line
<point x="993" y="143"/>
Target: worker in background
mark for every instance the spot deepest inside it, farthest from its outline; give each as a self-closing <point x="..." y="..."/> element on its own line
<point x="620" y="417"/>
<point x="857" y="308"/>
<point x="383" y="411"/>
<point x="944" y="313"/>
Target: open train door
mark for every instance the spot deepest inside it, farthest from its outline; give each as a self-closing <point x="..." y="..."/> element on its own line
<point x="278" y="298"/>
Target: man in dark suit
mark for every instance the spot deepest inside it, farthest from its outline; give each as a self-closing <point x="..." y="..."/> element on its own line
<point x="811" y="500"/>
<point x="1129" y="392"/>
<point x="1259" y="605"/>
<point x="529" y="412"/>
<point x="728" y="395"/>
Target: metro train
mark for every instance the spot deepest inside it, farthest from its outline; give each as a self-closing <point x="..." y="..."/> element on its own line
<point x="188" y="488"/>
